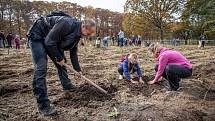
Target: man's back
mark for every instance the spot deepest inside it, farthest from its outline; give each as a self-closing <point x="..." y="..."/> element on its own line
<point x="45" y="24"/>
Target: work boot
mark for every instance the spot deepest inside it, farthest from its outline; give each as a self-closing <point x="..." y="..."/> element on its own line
<point x="70" y="93"/>
<point x="46" y="109"/>
<point x="73" y="89"/>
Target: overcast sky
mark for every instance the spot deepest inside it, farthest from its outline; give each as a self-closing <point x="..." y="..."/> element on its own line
<point x="113" y="5"/>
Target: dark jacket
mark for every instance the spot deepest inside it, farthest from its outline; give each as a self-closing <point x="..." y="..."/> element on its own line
<point x="58" y="33"/>
<point x="2" y="36"/>
<point x="9" y="37"/>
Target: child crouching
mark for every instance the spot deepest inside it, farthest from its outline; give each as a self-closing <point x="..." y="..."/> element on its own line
<point x="129" y="65"/>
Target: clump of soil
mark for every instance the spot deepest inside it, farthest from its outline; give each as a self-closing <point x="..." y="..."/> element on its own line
<point x="143" y="89"/>
<point x="210" y="95"/>
<point x="203" y="88"/>
<point x="12" y="88"/>
<point x="108" y="87"/>
<point x="204" y="71"/>
<point x="5" y="74"/>
<point x="187" y="114"/>
<point x="86" y="94"/>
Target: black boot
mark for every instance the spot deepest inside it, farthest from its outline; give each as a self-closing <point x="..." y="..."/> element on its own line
<point x="46" y="109"/>
<point x="70" y="92"/>
<point x="72" y="88"/>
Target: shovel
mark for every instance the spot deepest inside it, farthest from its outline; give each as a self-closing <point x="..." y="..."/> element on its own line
<point x="88" y="80"/>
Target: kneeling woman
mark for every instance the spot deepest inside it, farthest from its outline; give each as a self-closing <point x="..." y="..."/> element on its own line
<point x="172" y="65"/>
<point x="129" y="64"/>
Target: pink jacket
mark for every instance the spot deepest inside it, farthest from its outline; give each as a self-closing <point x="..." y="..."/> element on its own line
<point x="170" y="57"/>
<point x="17" y="41"/>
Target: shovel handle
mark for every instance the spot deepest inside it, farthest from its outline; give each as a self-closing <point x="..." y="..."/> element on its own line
<point x="85" y="78"/>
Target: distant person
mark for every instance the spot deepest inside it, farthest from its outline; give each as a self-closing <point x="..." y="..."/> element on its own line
<point x="202" y="41"/>
<point x="2" y="40"/>
<point x="25" y="46"/>
<point x="136" y="41"/>
<point x="51" y="35"/>
<point x="172" y="65"/>
<point x="133" y="40"/>
<point x="17" y="42"/>
<point x="125" y="41"/>
<point x="174" y="42"/>
<point x="9" y="39"/>
<point x="121" y="38"/>
<point x="105" y="41"/>
<point x="113" y="40"/>
<point x="98" y="42"/>
<point x="177" y="41"/>
<point x="139" y="40"/>
<point x="146" y="43"/>
<point x="129" y="65"/>
<point x="118" y="40"/>
<point x="130" y="42"/>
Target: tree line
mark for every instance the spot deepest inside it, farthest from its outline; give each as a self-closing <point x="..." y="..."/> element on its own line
<point x="167" y="19"/>
<point x="152" y="19"/>
<point x="18" y="15"/>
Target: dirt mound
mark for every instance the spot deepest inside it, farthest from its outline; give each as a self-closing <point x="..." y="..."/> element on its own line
<point x="199" y="90"/>
<point x="5" y="74"/>
<point x="142" y="89"/>
<point x="13" y="88"/>
<point x="203" y="76"/>
<point x="210" y="95"/>
<point x="111" y="89"/>
<point x="186" y="115"/>
<point x="87" y="94"/>
<point x="204" y="71"/>
<point x="28" y="71"/>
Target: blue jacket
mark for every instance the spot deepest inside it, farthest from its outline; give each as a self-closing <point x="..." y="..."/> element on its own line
<point x="124" y="67"/>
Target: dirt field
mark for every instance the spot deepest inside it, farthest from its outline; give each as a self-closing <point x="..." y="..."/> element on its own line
<point x="194" y="102"/>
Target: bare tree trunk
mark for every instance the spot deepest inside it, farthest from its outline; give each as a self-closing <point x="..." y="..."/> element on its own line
<point x="10" y="16"/>
<point x="161" y="34"/>
<point x="2" y="16"/>
<point x="19" y="23"/>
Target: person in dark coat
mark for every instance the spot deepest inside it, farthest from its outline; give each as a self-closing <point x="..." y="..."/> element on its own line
<point x="202" y="41"/>
<point x="113" y="40"/>
<point x="9" y="39"/>
<point x="51" y="35"/>
<point x="2" y="40"/>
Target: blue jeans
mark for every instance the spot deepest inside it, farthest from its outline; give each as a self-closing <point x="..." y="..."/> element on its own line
<point x="1" y="43"/>
<point x="121" y="40"/>
<point x="105" y="43"/>
<point x="40" y="59"/>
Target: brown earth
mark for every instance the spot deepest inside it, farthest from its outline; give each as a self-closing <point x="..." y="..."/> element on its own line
<point x="135" y="102"/>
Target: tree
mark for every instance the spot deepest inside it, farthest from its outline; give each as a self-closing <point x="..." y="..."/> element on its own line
<point x="18" y="15"/>
<point x="158" y="13"/>
<point x="201" y="16"/>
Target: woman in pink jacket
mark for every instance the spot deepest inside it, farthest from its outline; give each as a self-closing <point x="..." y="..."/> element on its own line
<point x="172" y="65"/>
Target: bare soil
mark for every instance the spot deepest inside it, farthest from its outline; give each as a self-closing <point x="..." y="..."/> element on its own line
<point x="195" y="101"/>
